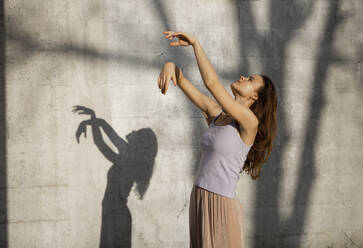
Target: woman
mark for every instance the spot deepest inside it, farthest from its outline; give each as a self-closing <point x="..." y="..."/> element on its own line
<point x="239" y="138"/>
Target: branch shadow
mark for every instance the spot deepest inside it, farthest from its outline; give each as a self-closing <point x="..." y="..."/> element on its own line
<point x="270" y="230"/>
<point x="293" y="226"/>
<point x="3" y="136"/>
<point x="264" y="221"/>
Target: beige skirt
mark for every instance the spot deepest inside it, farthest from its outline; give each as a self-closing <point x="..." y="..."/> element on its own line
<point x="214" y="220"/>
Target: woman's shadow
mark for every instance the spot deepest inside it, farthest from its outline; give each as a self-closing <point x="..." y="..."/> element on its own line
<point x="134" y="162"/>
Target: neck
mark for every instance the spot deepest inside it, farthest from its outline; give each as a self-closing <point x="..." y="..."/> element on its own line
<point x="243" y="101"/>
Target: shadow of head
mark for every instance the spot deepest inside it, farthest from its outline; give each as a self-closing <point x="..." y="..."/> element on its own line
<point x="143" y="148"/>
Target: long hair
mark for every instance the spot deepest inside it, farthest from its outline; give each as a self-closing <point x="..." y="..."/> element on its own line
<point x="265" y="110"/>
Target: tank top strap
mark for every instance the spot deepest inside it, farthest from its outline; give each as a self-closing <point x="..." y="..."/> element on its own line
<point x="213" y="120"/>
<point x="233" y="120"/>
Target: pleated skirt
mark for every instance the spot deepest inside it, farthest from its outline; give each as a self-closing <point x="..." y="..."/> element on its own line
<point x="215" y="221"/>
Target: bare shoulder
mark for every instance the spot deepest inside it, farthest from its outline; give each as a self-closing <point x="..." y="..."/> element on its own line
<point x="247" y="135"/>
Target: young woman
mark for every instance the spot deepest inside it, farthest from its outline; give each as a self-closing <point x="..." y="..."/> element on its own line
<point x="239" y="138"/>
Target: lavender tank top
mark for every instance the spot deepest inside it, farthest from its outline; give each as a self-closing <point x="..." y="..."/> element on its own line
<point x="223" y="154"/>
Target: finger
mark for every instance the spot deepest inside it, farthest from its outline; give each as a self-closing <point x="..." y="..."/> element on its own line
<point x="170" y="32"/>
<point x="166" y="86"/>
<point x="161" y="83"/>
<point x="176" y="43"/>
<point x="167" y="33"/>
<point x="174" y="79"/>
<point x="170" y="37"/>
<point x="163" y="86"/>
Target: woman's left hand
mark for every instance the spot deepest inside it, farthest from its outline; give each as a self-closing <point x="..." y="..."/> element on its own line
<point x="167" y="74"/>
<point x="184" y="38"/>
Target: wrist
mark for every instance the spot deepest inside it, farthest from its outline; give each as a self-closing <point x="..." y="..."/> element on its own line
<point x="196" y="43"/>
<point x="178" y="73"/>
<point x="169" y="63"/>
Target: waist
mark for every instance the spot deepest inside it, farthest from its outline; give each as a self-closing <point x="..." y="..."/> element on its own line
<point x="227" y="190"/>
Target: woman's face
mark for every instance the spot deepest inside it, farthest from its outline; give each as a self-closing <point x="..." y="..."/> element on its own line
<point x="247" y="86"/>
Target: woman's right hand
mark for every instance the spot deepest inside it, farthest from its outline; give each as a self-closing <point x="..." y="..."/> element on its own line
<point x="184" y="38"/>
<point x="167" y="73"/>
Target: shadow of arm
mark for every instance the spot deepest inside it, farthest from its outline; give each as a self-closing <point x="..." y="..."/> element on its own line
<point x="111" y="133"/>
<point x="99" y="142"/>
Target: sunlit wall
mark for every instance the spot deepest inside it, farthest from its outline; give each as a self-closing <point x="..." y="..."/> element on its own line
<point x="117" y="171"/>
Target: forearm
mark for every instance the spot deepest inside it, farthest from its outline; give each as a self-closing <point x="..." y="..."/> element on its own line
<point x="199" y="99"/>
<point x="206" y="69"/>
<point x="185" y="85"/>
<point x="100" y="143"/>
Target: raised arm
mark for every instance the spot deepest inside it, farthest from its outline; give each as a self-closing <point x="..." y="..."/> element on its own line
<point x="208" y="106"/>
<point x="206" y="69"/>
<point x="242" y="114"/>
<point x="100" y="143"/>
<point x="111" y="133"/>
<point x="170" y="71"/>
<point x="95" y="123"/>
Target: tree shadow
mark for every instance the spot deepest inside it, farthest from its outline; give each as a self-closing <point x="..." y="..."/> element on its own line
<point x="3" y="136"/>
<point x="267" y="221"/>
<point x="293" y="226"/>
<point x="270" y="230"/>
<point x="133" y="163"/>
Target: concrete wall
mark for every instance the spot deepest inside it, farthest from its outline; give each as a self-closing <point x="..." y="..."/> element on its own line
<point x="130" y="178"/>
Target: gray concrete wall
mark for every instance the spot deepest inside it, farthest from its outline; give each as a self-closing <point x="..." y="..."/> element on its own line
<point x="130" y="179"/>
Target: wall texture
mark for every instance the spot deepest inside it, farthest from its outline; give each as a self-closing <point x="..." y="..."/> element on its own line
<point x="127" y="182"/>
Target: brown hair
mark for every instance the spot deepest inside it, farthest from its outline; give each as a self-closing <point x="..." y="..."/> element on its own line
<point x="265" y="110"/>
